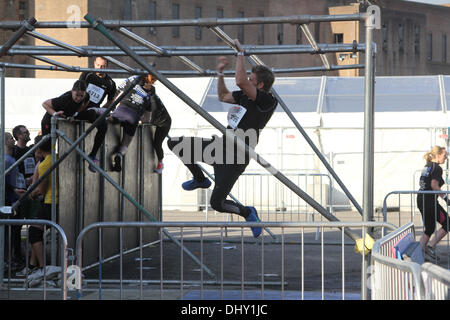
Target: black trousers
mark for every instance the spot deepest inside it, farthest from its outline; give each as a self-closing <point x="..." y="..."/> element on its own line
<point x="431" y="212"/>
<point x="161" y="133"/>
<point x="91" y="115"/>
<point x="192" y="150"/>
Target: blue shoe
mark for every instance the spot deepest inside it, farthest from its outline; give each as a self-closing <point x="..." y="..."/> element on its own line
<point x="194" y="184"/>
<point x="253" y="217"/>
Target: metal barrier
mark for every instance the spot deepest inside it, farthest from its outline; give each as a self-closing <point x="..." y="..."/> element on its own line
<point x="414" y="215"/>
<point x="395" y="279"/>
<point x="276" y="202"/>
<point x="243" y="265"/>
<point x="436" y="281"/>
<point x="14" y="283"/>
<point x="273" y="200"/>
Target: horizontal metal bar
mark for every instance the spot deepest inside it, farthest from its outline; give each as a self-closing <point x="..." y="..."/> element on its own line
<point x="178" y="73"/>
<point x="207" y="22"/>
<point x="181" y="51"/>
<point x="57" y="43"/>
<point x="178" y="224"/>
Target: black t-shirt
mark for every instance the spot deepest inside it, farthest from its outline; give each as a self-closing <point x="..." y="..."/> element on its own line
<point x="431" y="171"/>
<point x="160" y="116"/>
<point x="251" y="114"/>
<point x="26" y="168"/>
<point x="65" y="103"/>
<point x="138" y="98"/>
<point x="98" y="88"/>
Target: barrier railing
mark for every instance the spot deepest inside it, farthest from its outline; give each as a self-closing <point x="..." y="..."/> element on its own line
<point x="273" y="200"/>
<point x="395" y="279"/>
<point x="412" y="214"/>
<point x="237" y="262"/>
<point x="26" y="283"/>
<point x="436" y="281"/>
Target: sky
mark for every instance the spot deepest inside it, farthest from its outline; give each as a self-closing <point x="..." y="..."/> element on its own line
<point x="431" y="1"/>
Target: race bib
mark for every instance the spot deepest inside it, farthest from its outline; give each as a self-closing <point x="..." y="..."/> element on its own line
<point x="29" y="165"/>
<point x="20" y="181"/>
<point x="235" y="115"/>
<point x="95" y="93"/>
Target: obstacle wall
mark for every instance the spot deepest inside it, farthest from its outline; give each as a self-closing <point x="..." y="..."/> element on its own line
<point x="86" y="197"/>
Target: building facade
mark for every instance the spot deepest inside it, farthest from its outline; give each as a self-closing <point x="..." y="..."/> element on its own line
<point x="412" y="41"/>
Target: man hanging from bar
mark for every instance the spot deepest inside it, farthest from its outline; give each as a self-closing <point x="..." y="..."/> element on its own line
<point x="253" y="107"/>
<point x="141" y="102"/>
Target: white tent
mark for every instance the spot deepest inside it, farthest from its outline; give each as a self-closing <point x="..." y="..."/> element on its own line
<point x="410" y="117"/>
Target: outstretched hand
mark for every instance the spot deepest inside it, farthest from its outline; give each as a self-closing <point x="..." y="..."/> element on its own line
<point x="222" y="63"/>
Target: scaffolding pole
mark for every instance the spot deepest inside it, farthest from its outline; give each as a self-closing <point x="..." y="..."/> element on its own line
<point x="228" y="135"/>
<point x="180" y="51"/>
<point x="57" y="66"/>
<point x="256" y="61"/>
<point x="201" y="22"/>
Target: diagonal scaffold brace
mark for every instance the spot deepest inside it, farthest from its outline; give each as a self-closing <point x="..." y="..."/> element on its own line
<point x="98" y="25"/>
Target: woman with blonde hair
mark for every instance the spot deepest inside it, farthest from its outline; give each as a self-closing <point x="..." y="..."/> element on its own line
<point x="431" y="210"/>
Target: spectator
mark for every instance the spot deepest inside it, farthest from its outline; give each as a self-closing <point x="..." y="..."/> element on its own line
<point x="24" y="177"/>
<point x="43" y="189"/>
<point x="12" y="194"/>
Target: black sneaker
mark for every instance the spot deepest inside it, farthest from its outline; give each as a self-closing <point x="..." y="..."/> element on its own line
<point x="430" y="254"/>
<point x="91" y="167"/>
<point x="117" y="165"/>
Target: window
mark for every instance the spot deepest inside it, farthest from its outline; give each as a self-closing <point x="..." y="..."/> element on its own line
<point x="429" y="46"/>
<point x="22" y="8"/>
<point x="198" y="30"/>
<point x="127" y="9"/>
<point x="219" y="15"/>
<point x="175" y="15"/>
<point x="298" y="35"/>
<point x="444" y="48"/>
<point x="280" y="35"/>
<point x="240" y="30"/>
<point x="401" y="32"/>
<point x="384" y="30"/>
<point x="317" y="32"/>
<point x="152" y="16"/>
<point x="338" y="38"/>
<point x="261" y="31"/>
<point x="417" y="40"/>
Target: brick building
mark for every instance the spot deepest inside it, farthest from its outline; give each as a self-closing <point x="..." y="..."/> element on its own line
<point x="412" y="41"/>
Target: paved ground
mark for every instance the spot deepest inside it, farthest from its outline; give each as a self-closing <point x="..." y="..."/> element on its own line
<point x="234" y="266"/>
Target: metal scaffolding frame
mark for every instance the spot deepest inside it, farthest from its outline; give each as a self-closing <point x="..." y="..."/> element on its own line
<point x="371" y="18"/>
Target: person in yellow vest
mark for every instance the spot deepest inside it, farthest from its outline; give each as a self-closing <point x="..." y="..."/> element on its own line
<point x="44" y="192"/>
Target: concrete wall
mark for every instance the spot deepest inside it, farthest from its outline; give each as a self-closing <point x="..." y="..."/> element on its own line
<point x="86" y="197"/>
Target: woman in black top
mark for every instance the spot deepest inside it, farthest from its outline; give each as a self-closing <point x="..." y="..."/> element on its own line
<point x="431" y="210"/>
<point x="141" y="102"/>
<point x="65" y="106"/>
